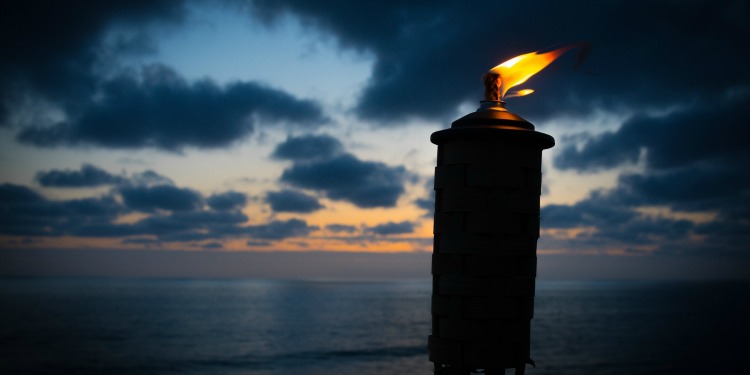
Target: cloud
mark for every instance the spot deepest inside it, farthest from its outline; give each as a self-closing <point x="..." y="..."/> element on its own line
<point x="341" y="228"/>
<point x="600" y="223"/>
<point x="692" y="160"/>
<point x="27" y="213"/>
<point x="643" y="55"/>
<point x="308" y="147"/>
<point x="699" y="209"/>
<point x="51" y="48"/>
<point x="171" y="227"/>
<point x="391" y="228"/>
<point x="292" y="201"/>
<point x="160" y="109"/>
<point x="229" y="200"/>
<point x="692" y="134"/>
<point x="24" y="212"/>
<point x="63" y="83"/>
<point x="280" y="229"/>
<point x="88" y="176"/>
<point x="174" y="214"/>
<point x="365" y="184"/>
<point x="161" y="197"/>
<point x="340" y="175"/>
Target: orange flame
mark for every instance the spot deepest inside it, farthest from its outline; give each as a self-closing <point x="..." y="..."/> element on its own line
<point x="523" y="92"/>
<point x="520" y="68"/>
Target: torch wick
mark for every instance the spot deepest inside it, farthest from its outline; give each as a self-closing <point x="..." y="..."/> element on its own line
<point x="492" y="84"/>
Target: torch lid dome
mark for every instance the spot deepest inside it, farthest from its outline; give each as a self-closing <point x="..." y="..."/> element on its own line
<point x="494" y="115"/>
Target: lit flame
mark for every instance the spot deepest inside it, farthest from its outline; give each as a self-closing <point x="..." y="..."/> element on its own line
<point x="523" y="92"/>
<point x="520" y="68"/>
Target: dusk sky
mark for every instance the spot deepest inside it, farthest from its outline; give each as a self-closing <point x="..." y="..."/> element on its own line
<point x="150" y="132"/>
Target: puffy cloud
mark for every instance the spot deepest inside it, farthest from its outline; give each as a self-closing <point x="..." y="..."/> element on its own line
<point x="713" y="133"/>
<point x="66" y="59"/>
<point x="391" y="228"/>
<point x="25" y="212"/>
<point x="88" y="176"/>
<point x="364" y="183"/>
<point x="619" y="217"/>
<point x="51" y="48"/>
<point x="643" y="55"/>
<point x="292" y="201"/>
<point x="308" y="147"/>
<point x="338" y="174"/>
<point x="175" y="214"/>
<point x="608" y="225"/>
<point x="280" y="229"/>
<point x="229" y="200"/>
<point x="171" y="227"/>
<point x="341" y="228"/>
<point x="161" y="197"/>
<point x="160" y="109"/>
<point x="694" y="161"/>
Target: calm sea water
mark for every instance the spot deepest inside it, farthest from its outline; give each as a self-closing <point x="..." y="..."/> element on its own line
<point x="102" y="326"/>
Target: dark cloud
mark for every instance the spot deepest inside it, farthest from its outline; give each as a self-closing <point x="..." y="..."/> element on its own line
<point x="618" y="216"/>
<point x="161" y="197"/>
<point x="292" y="201"/>
<point x="190" y="226"/>
<point x="51" y="48"/>
<point x="364" y="183"/>
<point x="597" y="210"/>
<point x="67" y="59"/>
<point x="25" y="212"/>
<point x="321" y="164"/>
<point x="280" y="229"/>
<point x="175" y="214"/>
<point x="88" y="176"/>
<point x="171" y="227"/>
<point x="341" y="228"/>
<point x="429" y="56"/>
<point x="391" y="228"/>
<point x="308" y="147"/>
<point x="229" y="200"/>
<point x="693" y="159"/>
<point x="609" y="226"/>
<point x="160" y="109"/>
<point x="703" y="133"/>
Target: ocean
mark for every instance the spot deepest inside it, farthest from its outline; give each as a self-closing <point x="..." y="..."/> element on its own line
<point x="198" y="326"/>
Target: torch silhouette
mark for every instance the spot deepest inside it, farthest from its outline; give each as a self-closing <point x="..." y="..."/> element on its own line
<point x="487" y="187"/>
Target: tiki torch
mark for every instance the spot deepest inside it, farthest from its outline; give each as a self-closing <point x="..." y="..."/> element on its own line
<point x="487" y="188"/>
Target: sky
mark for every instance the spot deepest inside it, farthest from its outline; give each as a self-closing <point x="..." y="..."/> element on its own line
<point x="298" y="130"/>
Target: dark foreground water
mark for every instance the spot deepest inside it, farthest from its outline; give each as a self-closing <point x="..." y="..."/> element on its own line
<point x="101" y="326"/>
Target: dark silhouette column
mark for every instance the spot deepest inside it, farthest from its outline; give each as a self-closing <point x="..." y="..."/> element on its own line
<point x="487" y="187"/>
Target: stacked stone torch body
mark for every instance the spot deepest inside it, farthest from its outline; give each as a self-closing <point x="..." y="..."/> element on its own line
<point x="487" y="188"/>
